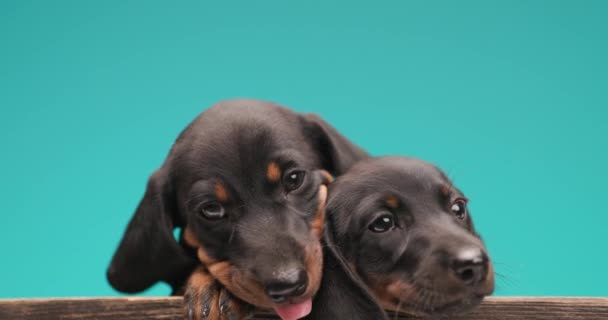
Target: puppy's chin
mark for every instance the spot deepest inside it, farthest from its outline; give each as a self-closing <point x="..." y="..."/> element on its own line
<point x="399" y="295"/>
<point x="425" y="307"/>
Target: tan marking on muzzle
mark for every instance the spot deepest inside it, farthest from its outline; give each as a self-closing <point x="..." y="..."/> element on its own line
<point x="326" y="177"/>
<point x="230" y="277"/>
<point x="201" y="253"/>
<point x="390" y="290"/>
<point x="242" y="286"/>
<point x="314" y="268"/>
<point x="204" y="258"/>
<point x="190" y="238"/>
<point x="245" y="288"/>
<point x="317" y="223"/>
<point x="313" y="251"/>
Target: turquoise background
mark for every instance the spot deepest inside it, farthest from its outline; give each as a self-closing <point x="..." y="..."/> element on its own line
<point x="509" y="97"/>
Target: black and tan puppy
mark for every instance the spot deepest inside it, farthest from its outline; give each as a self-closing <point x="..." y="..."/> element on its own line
<point x="399" y="236"/>
<point x="246" y="182"/>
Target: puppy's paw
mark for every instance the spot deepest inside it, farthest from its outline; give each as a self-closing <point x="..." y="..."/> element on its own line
<point x="206" y="299"/>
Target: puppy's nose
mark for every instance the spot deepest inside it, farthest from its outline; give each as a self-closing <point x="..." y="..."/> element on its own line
<point x="287" y="284"/>
<point x="470" y="266"/>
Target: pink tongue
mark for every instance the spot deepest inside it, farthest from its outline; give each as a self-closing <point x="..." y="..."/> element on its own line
<point x="294" y="311"/>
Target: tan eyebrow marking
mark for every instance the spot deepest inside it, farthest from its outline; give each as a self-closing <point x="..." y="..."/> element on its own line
<point x="221" y="194"/>
<point x="445" y="190"/>
<point x="273" y="172"/>
<point x="392" y="201"/>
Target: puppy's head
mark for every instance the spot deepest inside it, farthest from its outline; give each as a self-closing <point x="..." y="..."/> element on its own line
<point x="246" y="182"/>
<point x="405" y="230"/>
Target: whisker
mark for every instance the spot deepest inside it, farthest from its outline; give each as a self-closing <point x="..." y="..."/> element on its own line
<point x="506" y="279"/>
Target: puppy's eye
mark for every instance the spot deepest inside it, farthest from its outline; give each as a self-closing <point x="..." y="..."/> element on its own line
<point x="383" y="223"/>
<point x="459" y="208"/>
<point x="293" y="180"/>
<point x="212" y="211"/>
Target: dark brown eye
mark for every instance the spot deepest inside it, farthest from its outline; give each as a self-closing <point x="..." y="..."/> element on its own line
<point x="293" y="180"/>
<point x="459" y="208"/>
<point x="212" y="211"/>
<point x="383" y="223"/>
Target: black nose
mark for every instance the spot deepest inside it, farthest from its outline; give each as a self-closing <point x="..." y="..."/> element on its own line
<point x="470" y="266"/>
<point x="289" y="283"/>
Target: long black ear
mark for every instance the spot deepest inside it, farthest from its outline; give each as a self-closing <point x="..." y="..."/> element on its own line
<point x="342" y="295"/>
<point x="148" y="252"/>
<point x="337" y="153"/>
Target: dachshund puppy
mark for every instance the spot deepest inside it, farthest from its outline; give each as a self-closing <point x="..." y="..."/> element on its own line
<point x="399" y="236"/>
<point x="246" y="184"/>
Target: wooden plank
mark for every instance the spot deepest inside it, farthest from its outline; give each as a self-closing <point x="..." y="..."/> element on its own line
<point x="520" y="308"/>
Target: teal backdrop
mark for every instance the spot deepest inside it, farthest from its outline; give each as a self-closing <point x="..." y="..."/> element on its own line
<point x="509" y="97"/>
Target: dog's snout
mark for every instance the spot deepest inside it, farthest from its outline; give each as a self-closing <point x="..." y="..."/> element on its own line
<point x="287" y="284"/>
<point x="470" y="266"/>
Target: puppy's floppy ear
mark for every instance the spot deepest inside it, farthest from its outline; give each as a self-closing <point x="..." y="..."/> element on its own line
<point x="336" y="152"/>
<point x="148" y="252"/>
<point x="342" y="295"/>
